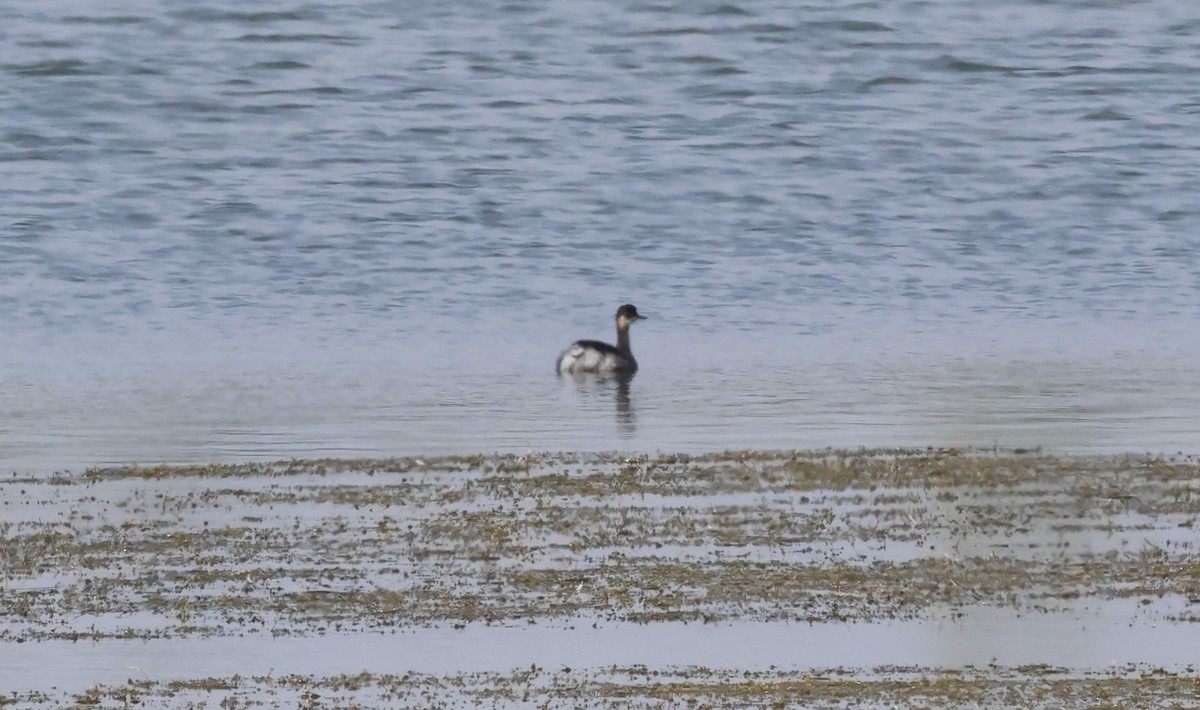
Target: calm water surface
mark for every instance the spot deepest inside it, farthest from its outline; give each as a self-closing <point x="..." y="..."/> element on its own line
<point x="1094" y="639"/>
<point x="235" y="233"/>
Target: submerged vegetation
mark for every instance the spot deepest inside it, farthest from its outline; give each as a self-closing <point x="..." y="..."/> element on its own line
<point x="311" y="548"/>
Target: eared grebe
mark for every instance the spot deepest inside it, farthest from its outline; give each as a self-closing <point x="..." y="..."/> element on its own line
<point x="586" y="356"/>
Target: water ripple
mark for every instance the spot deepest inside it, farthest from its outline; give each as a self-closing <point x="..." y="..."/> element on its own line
<point x="386" y="175"/>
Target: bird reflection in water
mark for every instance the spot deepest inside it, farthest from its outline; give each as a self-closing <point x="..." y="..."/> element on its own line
<point x="626" y="418"/>
<point x="596" y="385"/>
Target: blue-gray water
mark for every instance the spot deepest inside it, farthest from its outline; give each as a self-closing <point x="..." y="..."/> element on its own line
<point x="236" y="231"/>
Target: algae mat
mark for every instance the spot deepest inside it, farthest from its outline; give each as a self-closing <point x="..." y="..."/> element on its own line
<point x="813" y="578"/>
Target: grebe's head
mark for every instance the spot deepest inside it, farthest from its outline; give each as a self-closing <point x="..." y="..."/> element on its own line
<point x="627" y="314"/>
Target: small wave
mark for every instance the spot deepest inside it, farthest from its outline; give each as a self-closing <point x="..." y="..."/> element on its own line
<point x="886" y="81"/>
<point x="54" y="67"/>
<point x="951" y="63"/>
<point x="1107" y="114"/>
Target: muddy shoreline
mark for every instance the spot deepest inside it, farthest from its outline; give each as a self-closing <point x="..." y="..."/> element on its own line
<point x="829" y="539"/>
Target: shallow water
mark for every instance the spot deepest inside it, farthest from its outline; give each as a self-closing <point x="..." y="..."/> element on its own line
<point x="334" y="231"/>
<point x="398" y="573"/>
<point x="1086" y="405"/>
<point x="982" y="637"/>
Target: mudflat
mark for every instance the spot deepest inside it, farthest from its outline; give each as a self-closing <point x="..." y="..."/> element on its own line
<point x="745" y="578"/>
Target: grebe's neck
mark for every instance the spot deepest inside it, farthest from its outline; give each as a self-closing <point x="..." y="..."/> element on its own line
<point x="623" y="340"/>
